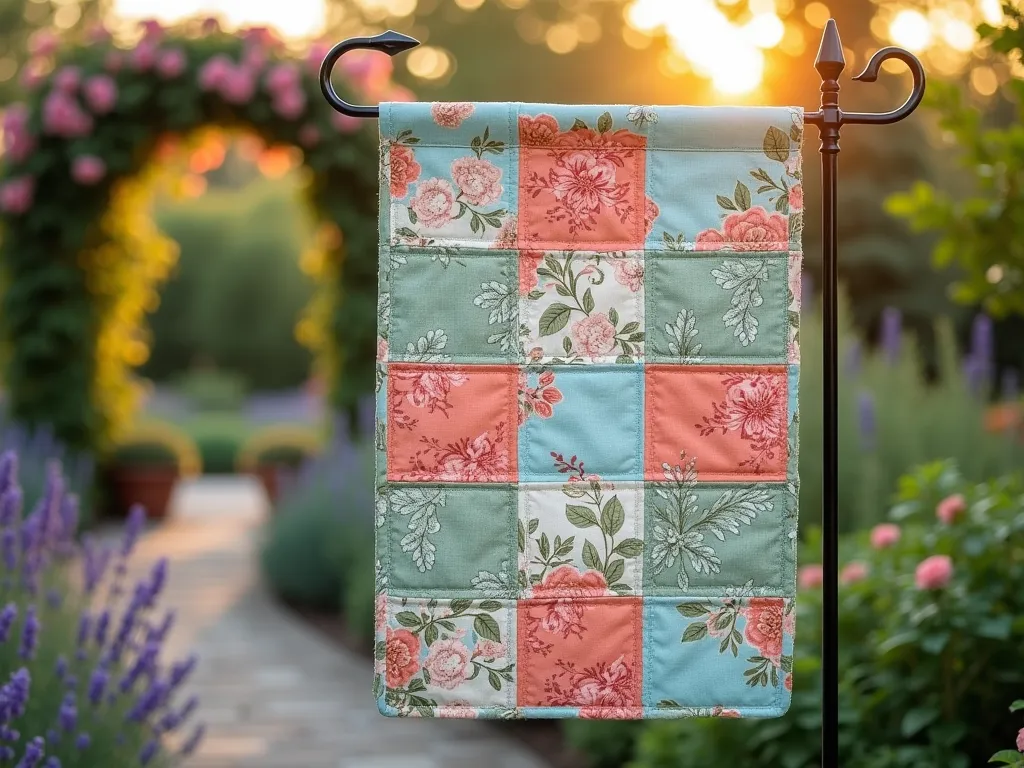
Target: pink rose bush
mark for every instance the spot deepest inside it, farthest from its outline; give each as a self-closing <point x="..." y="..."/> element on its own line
<point x="171" y="63"/>
<point x="100" y="94"/>
<point x="62" y="116"/>
<point x="17" y="194"/>
<point x="18" y="140"/>
<point x="88" y="170"/>
<point x="950" y="508"/>
<point x="853" y="572"/>
<point x="810" y="577"/>
<point x="934" y="572"/>
<point x="885" y="535"/>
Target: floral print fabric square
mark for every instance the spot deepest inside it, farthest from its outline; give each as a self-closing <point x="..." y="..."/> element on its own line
<point x="586" y="445"/>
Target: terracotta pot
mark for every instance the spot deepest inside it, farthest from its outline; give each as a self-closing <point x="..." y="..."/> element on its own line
<point x="268" y="475"/>
<point x="149" y="486"/>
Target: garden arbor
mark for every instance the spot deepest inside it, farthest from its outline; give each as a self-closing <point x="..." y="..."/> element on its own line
<point x="82" y="259"/>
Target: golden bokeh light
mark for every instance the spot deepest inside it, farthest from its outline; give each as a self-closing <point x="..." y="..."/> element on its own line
<point x="530" y="27"/>
<point x="793" y="41"/>
<point x="817" y="14"/>
<point x="429" y="62"/>
<point x="400" y="8"/>
<point x="984" y="80"/>
<point x="515" y="4"/>
<point x="634" y="38"/>
<point x="562" y="37"/>
<point x="469" y="5"/>
<point x="588" y="28"/>
<point x="910" y="29"/>
<point x="765" y="30"/>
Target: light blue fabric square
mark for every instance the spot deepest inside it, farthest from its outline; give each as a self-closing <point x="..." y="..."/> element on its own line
<point x="697" y="673"/>
<point x="599" y="421"/>
<point x="497" y="118"/>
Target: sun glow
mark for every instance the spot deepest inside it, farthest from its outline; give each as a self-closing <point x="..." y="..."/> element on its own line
<point x="294" y="18"/>
<point x="713" y="46"/>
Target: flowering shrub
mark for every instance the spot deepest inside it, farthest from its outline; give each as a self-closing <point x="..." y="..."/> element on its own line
<point x="931" y="629"/>
<point x="82" y="257"/>
<point x="1010" y="757"/>
<point x="82" y="682"/>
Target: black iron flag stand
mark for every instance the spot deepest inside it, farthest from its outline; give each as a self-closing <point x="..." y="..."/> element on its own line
<point x="829" y="119"/>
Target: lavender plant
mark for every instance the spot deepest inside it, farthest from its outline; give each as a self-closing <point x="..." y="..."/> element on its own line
<point x="82" y="679"/>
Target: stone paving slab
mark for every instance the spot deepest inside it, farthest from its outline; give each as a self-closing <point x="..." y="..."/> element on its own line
<point x="274" y="693"/>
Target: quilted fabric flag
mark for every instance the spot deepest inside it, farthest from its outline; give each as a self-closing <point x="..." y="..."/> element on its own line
<point x="587" y="410"/>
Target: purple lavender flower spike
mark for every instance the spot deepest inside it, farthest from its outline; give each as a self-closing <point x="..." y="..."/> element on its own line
<point x="158" y="578"/>
<point x="102" y="625"/>
<point x="149" y="751"/>
<point x="29" y="634"/>
<point x="892" y="334"/>
<point x="33" y="753"/>
<point x="97" y="685"/>
<point x="54" y="597"/>
<point x="52" y="762"/>
<point x="367" y="416"/>
<point x="974" y="373"/>
<point x="144" y="663"/>
<point x="9" y="548"/>
<point x="866" y="421"/>
<point x="159" y="633"/>
<point x="61" y="667"/>
<point x="150" y="701"/>
<point x="10" y="506"/>
<point x="172" y="720"/>
<point x="180" y="670"/>
<point x="193" y="741"/>
<point x="983" y="343"/>
<point x="132" y="530"/>
<point x="69" y="511"/>
<point x="82" y="741"/>
<point x="8" y="471"/>
<point x="68" y="715"/>
<point x="7" y="617"/>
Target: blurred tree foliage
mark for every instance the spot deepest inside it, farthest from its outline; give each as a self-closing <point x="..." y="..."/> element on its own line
<point x="237" y="292"/>
<point x="20" y="18"/>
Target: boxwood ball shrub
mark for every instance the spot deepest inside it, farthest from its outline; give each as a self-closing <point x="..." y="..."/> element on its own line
<point x="84" y="681"/>
<point x="931" y="631"/>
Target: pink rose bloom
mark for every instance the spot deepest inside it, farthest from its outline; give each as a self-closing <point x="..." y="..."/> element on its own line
<point x="401" y="658"/>
<point x="17" y="194"/>
<point x="479" y="460"/>
<point x="382" y="350"/>
<point x="630" y="273"/>
<point x="950" y="508"/>
<point x="606" y="685"/>
<point x="489" y="649"/>
<point x="757" y="407"/>
<point x="345" y="123"/>
<point x="43" y="43"/>
<point x="210" y="25"/>
<point x="113" y="61"/>
<point x="536" y="353"/>
<point x="565" y="615"/>
<point x="143" y="57"/>
<point x="433" y="203"/>
<point x="431" y="387"/>
<point x="885" y="535"/>
<point x="934" y="572"/>
<point x="446" y="662"/>
<point x="100" y="92"/>
<point x="63" y="117"/>
<point x="309" y="135"/>
<point x="477" y="179"/>
<point x="18" y="142"/>
<point x="1020" y="740"/>
<point x="539" y="131"/>
<point x="151" y="29"/>
<point x="171" y="63"/>
<point x="611" y="713"/>
<point x="97" y="33"/>
<point x="289" y="104"/>
<point x="810" y="577"/>
<point x="282" y="77"/>
<point x="751" y="230"/>
<point x="766" y="626"/>
<point x="450" y="115"/>
<point x="585" y="182"/>
<point x="238" y="85"/>
<point x="32" y="75"/>
<point x="260" y="35"/>
<point x="594" y="336"/>
<point x="67" y="79"/>
<point x="796" y="197"/>
<point x="88" y="170"/>
<point x="853" y="572"/>
<point x="213" y="73"/>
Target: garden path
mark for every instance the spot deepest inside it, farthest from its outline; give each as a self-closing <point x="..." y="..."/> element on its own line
<point x="274" y="693"/>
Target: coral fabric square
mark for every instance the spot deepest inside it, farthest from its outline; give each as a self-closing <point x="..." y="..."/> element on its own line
<point x="733" y="420"/>
<point x="580" y="186"/>
<point x="451" y="423"/>
<point x="583" y="651"/>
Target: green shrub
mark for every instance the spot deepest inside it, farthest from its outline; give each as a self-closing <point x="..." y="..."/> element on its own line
<point x="145" y="454"/>
<point x="915" y="420"/>
<point x="357" y="585"/>
<point x="218" y="452"/>
<point x="213" y="390"/>
<point x="926" y="668"/>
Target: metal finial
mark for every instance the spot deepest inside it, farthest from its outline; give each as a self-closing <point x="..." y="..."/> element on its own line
<point x="830" y="62"/>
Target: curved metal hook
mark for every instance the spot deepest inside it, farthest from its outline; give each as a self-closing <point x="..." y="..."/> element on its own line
<point x="870" y="75"/>
<point x="389" y="42"/>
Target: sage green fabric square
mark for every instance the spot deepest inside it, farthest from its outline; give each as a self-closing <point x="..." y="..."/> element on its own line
<point x="716" y="538"/>
<point x="452" y="540"/>
<point x="461" y="306"/>
<point x="720" y="307"/>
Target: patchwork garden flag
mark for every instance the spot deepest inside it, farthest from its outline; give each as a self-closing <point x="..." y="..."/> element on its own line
<point x="587" y="410"/>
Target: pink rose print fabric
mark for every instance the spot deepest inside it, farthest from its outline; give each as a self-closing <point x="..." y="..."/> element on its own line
<point x="588" y="349"/>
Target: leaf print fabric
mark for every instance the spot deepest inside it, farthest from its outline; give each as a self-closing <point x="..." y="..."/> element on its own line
<point x="587" y="372"/>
